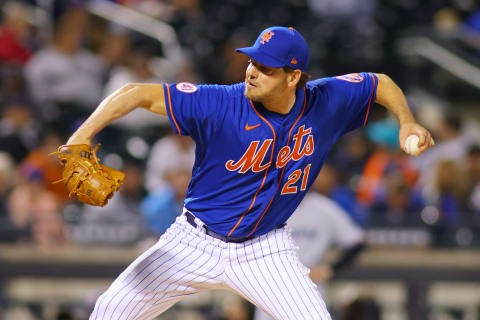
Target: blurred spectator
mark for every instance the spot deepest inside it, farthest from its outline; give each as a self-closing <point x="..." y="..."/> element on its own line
<point x="14" y="33"/>
<point x="172" y="151"/>
<point x="137" y="70"/>
<point x="65" y="79"/>
<point x="7" y="179"/>
<point x="48" y="228"/>
<point x="400" y="206"/>
<point x="187" y="13"/>
<point x="469" y="31"/>
<point x="351" y="155"/>
<point x="36" y="210"/>
<point x="161" y="207"/>
<point x="363" y="308"/>
<point x="19" y="312"/>
<point x="446" y="20"/>
<point x="117" y="223"/>
<point x="13" y="88"/>
<point x="8" y="231"/>
<point x="449" y="192"/>
<point x="328" y="184"/>
<point x="48" y="167"/>
<point x="189" y="8"/>
<point x="231" y="65"/>
<point x="346" y="33"/>
<point x="167" y="176"/>
<point x="114" y="47"/>
<point x="19" y="131"/>
<point x="472" y="22"/>
<point x="451" y="144"/>
<point x="473" y="177"/>
<point x="132" y="189"/>
<point x="387" y="159"/>
<point x="64" y="314"/>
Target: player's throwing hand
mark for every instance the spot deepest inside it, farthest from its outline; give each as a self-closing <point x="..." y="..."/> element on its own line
<point x="425" y="140"/>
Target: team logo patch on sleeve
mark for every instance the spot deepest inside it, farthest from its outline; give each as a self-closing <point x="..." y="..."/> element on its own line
<point x="352" y="77"/>
<point x="186" y="87"/>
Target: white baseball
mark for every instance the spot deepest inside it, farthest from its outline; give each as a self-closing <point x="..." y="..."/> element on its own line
<point x="411" y="145"/>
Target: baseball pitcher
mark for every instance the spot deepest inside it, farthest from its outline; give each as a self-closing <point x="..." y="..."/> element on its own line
<point x="259" y="146"/>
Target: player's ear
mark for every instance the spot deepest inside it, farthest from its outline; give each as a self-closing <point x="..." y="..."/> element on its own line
<point x="294" y="77"/>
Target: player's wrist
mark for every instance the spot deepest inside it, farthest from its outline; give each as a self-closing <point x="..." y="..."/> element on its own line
<point x="79" y="139"/>
<point x="406" y="119"/>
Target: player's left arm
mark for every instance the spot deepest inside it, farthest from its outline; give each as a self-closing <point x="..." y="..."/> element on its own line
<point x="391" y="97"/>
<point x="149" y="96"/>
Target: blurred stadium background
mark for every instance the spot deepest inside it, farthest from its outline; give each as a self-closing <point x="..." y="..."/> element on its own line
<point x="421" y="215"/>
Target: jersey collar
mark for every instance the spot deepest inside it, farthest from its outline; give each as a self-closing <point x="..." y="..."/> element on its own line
<point x="293" y="113"/>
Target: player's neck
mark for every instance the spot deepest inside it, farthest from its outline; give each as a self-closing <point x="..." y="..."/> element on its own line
<point x="281" y="104"/>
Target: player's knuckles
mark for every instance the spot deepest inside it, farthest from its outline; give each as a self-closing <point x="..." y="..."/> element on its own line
<point x="422" y="138"/>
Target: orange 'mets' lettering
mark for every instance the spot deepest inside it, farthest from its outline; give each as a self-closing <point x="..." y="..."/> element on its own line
<point x="251" y="159"/>
<point x="254" y="156"/>
<point x="286" y="154"/>
<point x="266" y="37"/>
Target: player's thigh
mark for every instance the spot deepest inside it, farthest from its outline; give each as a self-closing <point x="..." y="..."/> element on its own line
<point x="177" y="266"/>
<point x="268" y="273"/>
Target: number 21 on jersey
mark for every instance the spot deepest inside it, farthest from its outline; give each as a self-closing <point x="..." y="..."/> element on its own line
<point x="291" y="185"/>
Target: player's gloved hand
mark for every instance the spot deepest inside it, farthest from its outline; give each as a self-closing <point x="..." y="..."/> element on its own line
<point x="85" y="177"/>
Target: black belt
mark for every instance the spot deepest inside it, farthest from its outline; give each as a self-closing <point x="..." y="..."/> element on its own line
<point x="191" y="220"/>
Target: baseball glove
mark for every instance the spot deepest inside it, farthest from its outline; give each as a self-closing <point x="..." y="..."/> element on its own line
<point x="85" y="177"/>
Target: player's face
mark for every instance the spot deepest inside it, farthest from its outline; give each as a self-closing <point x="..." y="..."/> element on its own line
<point x="263" y="83"/>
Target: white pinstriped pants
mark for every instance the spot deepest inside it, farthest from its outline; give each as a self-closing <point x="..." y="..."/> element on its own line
<point x="265" y="270"/>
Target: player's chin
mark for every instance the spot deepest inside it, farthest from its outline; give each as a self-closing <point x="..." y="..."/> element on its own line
<point x="249" y="94"/>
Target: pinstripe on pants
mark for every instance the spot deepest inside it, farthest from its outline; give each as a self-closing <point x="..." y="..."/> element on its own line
<point x="264" y="270"/>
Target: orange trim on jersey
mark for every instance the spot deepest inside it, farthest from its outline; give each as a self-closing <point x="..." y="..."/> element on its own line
<point x="171" y="110"/>
<point x="283" y="170"/>
<point x="370" y="101"/>
<point x="264" y="177"/>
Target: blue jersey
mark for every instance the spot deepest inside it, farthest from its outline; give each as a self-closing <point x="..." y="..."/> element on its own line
<point x="254" y="166"/>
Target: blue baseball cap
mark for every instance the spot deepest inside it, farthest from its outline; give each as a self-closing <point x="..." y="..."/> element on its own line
<point x="277" y="47"/>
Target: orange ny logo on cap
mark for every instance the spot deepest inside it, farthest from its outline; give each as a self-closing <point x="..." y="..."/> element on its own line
<point x="293" y="61"/>
<point x="266" y="37"/>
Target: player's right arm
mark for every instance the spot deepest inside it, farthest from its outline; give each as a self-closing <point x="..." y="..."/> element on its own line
<point x="129" y="97"/>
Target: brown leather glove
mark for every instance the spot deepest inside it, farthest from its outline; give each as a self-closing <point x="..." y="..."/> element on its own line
<point x="84" y="177"/>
